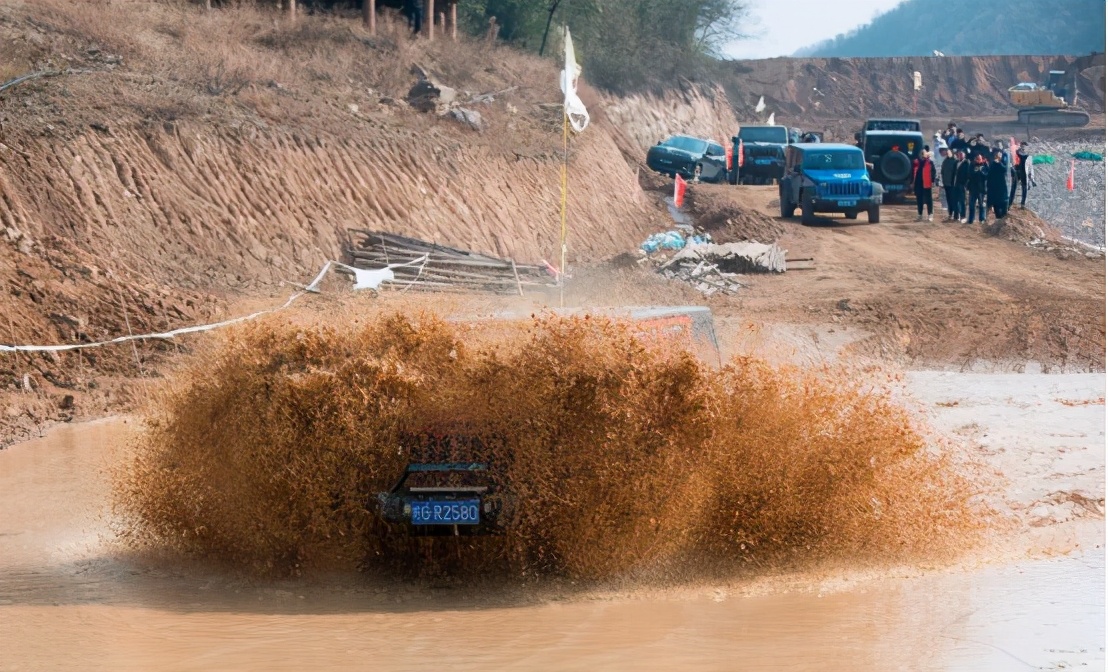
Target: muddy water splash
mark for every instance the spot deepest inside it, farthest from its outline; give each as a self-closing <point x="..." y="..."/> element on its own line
<point x="626" y="454"/>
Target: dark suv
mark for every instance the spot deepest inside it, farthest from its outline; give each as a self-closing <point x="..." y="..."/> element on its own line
<point x="691" y="158"/>
<point x="763" y="153"/>
<point x="889" y="156"/>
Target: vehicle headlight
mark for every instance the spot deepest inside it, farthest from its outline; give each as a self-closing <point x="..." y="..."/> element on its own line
<point x="407" y="509"/>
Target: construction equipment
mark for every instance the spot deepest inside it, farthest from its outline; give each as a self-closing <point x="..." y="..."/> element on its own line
<point x="1046" y="105"/>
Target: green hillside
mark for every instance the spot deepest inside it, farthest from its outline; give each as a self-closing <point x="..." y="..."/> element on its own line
<point x="974" y="28"/>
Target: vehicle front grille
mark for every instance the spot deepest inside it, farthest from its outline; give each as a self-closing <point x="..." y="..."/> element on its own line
<point x="842" y="189"/>
<point x="762" y="152"/>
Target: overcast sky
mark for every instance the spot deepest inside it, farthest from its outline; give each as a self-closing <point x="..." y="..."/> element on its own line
<point x="783" y="26"/>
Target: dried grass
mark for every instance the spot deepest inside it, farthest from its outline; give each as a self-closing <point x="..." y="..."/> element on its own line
<point x="624" y="454"/>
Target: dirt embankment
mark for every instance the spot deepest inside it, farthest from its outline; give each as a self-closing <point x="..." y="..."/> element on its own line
<point x="839" y="91"/>
<point x="641" y="120"/>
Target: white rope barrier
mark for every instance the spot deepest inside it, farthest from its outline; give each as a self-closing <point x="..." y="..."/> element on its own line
<point x="364" y="280"/>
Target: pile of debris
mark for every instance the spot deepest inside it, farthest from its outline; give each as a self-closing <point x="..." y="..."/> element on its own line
<point x="430" y="95"/>
<point x="719" y="268"/>
<point x="417" y="264"/>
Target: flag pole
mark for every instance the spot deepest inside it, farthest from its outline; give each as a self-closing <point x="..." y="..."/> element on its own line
<point x="565" y="181"/>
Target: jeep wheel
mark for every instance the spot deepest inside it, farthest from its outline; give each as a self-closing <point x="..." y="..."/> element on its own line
<point x="851" y="214"/>
<point x="875" y="214"/>
<point x="807" y="211"/>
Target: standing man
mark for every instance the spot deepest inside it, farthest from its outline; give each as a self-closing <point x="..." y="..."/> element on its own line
<point x="923" y="178"/>
<point x="946" y="176"/>
<point x="998" y="186"/>
<point x="978" y="185"/>
<point x="959" y="142"/>
<point x="949" y="134"/>
<point x="1021" y="164"/>
<point x="998" y="146"/>
<point x="961" y="183"/>
<point x="944" y="205"/>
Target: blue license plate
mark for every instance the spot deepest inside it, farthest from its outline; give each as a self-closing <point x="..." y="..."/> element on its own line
<point x="763" y="162"/>
<point x="447" y="512"/>
<point x="894" y="187"/>
<point x="843" y="204"/>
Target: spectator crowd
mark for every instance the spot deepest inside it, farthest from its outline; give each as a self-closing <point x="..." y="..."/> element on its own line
<point x="973" y="177"/>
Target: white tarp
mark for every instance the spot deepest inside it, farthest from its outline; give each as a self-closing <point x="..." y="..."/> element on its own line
<point x="575" y="109"/>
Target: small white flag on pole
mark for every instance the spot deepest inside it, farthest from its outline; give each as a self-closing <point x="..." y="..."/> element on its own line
<point x="770" y="120"/>
<point x="761" y="104"/>
<point x="575" y="109"/>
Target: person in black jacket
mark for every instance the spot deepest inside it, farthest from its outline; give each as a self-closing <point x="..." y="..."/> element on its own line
<point x="946" y="178"/>
<point x="959" y="142"/>
<point x="998" y="186"/>
<point x="978" y="185"/>
<point x="961" y="183"/>
<point x="1019" y="175"/>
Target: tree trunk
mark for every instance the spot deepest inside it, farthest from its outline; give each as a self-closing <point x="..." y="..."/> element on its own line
<point x="430" y="20"/>
<point x="292" y="10"/>
<point x="454" y="20"/>
<point x="369" y="15"/>
<point x="549" y="17"/>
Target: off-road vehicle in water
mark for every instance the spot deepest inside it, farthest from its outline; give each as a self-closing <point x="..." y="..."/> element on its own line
<point x="432" y="499"/>
<point x="828" y="177"/>
<point x="763" y="150"/>
<point x="453" y="484"/>
<point x="889" y="154"/>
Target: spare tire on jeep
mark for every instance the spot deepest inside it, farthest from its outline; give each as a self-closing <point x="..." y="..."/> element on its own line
<point x="896" y="166"/>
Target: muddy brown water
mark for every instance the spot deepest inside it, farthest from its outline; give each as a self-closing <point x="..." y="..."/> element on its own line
<point x="70" y="599"/>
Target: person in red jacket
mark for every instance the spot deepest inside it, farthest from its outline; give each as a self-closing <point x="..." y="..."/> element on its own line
<point x="924" y="178"/>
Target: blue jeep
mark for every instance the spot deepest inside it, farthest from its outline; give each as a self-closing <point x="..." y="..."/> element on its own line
<point x="826" y="177"/>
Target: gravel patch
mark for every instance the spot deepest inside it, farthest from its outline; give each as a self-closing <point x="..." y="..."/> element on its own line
<point x="1078" y="214"/>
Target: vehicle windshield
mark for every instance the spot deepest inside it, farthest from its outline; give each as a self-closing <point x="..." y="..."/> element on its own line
<point x="833" y="160"/>
<point x="687" y="144"/>
<point x="891" y="125"/>
<point x="876" y="147"/>
<point x="764" y="134"/>
<point x="715" y="150"/>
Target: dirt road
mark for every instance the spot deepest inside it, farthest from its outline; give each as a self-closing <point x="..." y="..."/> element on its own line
<point x="929" y="293"/>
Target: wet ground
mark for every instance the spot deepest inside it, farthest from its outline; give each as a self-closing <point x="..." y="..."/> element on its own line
<point x="69" y="598"/>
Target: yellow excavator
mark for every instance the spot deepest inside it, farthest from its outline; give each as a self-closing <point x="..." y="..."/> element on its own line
<point x="1045" y="105"/>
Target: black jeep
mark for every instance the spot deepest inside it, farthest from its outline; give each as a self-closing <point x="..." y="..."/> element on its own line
<point x="889" y="156"/>
<point x="763" y="154"/>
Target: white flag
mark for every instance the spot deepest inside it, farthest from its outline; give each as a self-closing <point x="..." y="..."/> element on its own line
<point x="761" y="104"/>
<point x="575" y="109"/>
<point x="770" y="120"/>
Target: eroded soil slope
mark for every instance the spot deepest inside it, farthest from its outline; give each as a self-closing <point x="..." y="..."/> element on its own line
<point x="809" y="89"/>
